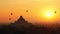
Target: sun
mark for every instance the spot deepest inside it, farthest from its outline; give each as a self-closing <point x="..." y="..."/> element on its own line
<point x="48" y="14"/>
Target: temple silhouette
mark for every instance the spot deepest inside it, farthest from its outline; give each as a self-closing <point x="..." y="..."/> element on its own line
<point x="20" y="20"/>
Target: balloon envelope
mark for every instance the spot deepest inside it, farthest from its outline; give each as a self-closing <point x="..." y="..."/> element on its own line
<point x="11" y="13"/>
<point x="55" y="11"/>
<point x="9" y="18"/>
<point x="26" y="10"/>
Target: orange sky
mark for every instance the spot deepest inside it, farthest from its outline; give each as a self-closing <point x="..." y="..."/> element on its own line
<point x="36" y="8"/>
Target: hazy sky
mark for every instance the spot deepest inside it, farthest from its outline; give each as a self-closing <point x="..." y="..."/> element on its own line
<point x="36" y="8"/>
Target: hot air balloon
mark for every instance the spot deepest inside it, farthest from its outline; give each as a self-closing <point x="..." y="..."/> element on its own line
<point x="9" y="18"/>
<point x="55" y="12"/>
<point x="11" y="13"/>
<point x="26" y="10"/>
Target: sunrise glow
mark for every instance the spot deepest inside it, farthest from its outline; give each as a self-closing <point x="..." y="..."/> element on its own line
<point x="48" y="14"/>
<point x="38" y="10"/>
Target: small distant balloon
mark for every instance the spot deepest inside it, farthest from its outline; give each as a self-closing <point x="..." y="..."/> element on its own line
<point x="26" y="10"/>
<point x="9" y="18"/>
<point x="55" y="11"/>
<point x="11" y="13"/>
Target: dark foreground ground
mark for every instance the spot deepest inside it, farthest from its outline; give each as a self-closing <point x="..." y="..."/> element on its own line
<point x="21" y="26"/>
<point x="8" y="29"/>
